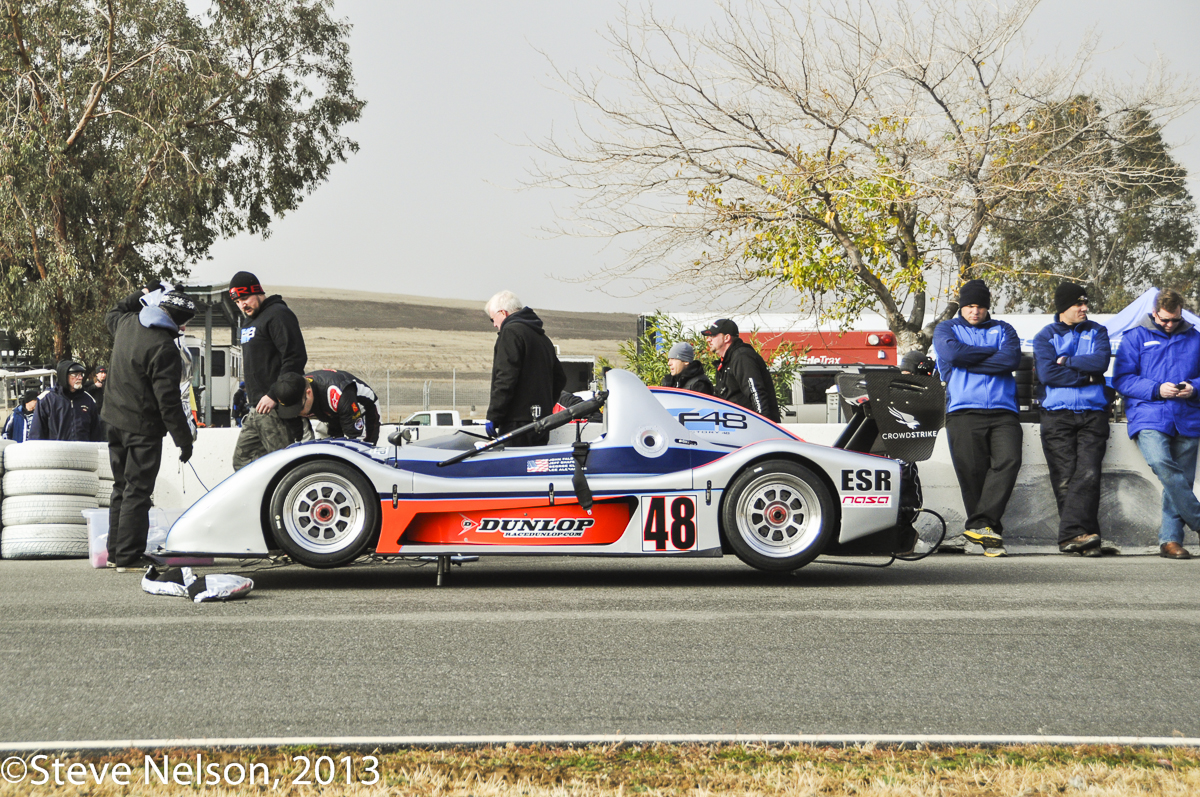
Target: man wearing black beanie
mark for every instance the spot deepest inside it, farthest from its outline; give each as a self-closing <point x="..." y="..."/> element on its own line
<point x="976" y="356"/>
<point x="1071" y="356"/>
<point x="272" y="344"/>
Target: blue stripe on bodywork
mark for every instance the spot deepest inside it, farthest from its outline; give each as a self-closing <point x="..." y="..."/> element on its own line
<point x="603" y="460"/>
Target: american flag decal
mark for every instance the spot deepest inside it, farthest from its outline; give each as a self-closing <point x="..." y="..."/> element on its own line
<point x="537" y="466"/>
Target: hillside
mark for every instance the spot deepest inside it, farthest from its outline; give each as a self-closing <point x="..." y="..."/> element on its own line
<point x="398" y="343"/>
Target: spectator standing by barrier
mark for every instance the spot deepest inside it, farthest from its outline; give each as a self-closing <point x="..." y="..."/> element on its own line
<point x="742" y="376"/>
<point x="96" y="388"/>
<point x="976" y="355"/>
<point x="685" y="371"/>
<point x="526" y="372"/>
<point x="16" y="428"/>
<point x="143" y="404"/>
<point x="238" y="408"/>
<point x="344" y="403"/>
<point x="1158" y="371"/>
<point x="272" y="344"/>
<point x="1071" y="356"/>
<point x="68" y="412"/>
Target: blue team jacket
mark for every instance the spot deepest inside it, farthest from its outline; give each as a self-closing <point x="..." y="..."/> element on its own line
<point x="1148" y="357"/>
<point x="1077" y="384"/>
<point x="977" y="362"/>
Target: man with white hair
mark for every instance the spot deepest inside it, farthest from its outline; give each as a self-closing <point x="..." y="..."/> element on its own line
<point x="527" y="377"/>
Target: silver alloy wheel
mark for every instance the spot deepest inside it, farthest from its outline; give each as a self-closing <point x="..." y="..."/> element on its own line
<point x="779" y="515"/>
<point x="324" y="513"/>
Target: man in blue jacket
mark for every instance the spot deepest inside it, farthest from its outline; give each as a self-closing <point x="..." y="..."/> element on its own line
<point x="976" y="357"/>
<point x="1072" y="355"/>
<point x="1158" y="372"/>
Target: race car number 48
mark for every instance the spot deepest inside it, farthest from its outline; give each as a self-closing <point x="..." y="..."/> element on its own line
<point x="668" y="523"/>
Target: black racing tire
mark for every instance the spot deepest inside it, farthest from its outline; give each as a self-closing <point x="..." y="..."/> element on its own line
<point x="324" y="514"/>
<point x="777" y="515"/>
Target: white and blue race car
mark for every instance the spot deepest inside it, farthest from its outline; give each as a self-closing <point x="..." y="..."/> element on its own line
<point x="673" y="473"/>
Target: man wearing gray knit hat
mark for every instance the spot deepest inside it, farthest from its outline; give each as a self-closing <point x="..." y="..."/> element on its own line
<point x="685" y="372"/>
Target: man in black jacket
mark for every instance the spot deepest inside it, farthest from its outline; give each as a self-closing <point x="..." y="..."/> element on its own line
<point x="685" y="371"/>
<point x="68" y="412"/>
<point x="142" y="403"/>
<point x="271" y="345"/>
<point x="339" y="399"/>
<point x="742" y="376"/>
<point x="527" y="377"/>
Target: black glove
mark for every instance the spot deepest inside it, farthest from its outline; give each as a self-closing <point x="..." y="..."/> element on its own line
<point x="185" y="451"/>
<point x="152" y="286"/>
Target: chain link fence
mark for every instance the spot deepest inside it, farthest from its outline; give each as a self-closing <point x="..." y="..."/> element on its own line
<point x="399" y="398"/>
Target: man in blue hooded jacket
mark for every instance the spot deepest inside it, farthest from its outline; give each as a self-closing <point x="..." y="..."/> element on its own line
<point x="976" y="357"/>
<point x="1072" y="355"/>
<point x="1158" y="372"/>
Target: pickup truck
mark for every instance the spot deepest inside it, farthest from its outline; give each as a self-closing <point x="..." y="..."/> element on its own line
<point x="444" y="418"/>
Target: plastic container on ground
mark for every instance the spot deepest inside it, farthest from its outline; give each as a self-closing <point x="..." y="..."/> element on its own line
<point x="160" y="523"/>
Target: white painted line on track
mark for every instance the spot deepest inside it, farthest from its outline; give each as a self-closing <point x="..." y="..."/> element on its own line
<point x="454" y="741"/>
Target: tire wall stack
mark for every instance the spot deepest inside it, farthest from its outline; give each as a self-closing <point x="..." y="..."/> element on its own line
<point x="46" y="485"/>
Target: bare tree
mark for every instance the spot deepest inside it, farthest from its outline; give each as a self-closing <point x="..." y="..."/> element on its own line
<point x="853" y="151"/>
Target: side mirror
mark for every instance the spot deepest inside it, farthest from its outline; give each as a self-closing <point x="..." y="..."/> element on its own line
<point x="401" y="435"/>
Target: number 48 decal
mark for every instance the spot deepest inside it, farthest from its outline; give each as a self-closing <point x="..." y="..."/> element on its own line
<point x="669" y="527"/>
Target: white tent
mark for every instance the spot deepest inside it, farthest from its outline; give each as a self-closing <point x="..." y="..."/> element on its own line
<point x="1133" y="314"/>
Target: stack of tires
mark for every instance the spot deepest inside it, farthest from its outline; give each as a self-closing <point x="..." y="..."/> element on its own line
<point x="46" y="486"/>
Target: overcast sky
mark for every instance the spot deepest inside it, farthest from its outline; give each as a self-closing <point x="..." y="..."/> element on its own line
<point x="429" y="205"/>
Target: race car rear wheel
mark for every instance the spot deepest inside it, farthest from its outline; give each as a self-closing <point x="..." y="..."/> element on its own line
<point x="777" y="515"/>
<point x="324" y="514"/>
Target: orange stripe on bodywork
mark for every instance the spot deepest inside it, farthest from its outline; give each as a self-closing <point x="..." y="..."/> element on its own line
<point x="500" y="521"/>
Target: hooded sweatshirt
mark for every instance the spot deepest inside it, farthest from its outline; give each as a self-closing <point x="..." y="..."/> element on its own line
<point x="525" y="372"/>
<point x="65" y="414"/>
<point x="272" y="344"/>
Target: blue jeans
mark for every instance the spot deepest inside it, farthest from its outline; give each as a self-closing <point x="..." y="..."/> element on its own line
<point x="1173" y="460"/>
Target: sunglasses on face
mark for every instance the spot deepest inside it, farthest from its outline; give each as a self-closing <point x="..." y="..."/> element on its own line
<point x="1169" y="320"/>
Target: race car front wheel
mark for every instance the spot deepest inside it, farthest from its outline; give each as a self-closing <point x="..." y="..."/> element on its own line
<point x="324" y="514"/>
<point x="777" y="515"/>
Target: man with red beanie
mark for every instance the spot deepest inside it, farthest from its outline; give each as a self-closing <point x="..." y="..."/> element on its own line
<point x="271" y="345"/>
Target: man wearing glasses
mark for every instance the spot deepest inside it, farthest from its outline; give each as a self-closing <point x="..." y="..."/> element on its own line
<point x="1072" y="355"/>
<point x="1157" y="370"/>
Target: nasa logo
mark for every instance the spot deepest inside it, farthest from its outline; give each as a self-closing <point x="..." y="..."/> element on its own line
<point x="866" y="500"/>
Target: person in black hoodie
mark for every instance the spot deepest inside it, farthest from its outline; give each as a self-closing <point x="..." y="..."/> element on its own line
<point x="68" y="412"/>
<point x="142" y="403"/>
<point x="685" y="371"/>
<point x="272" y="344"/>
<point x="527" y="377"/>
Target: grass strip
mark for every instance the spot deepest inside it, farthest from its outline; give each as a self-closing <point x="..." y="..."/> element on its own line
<point x="534" y="770"/>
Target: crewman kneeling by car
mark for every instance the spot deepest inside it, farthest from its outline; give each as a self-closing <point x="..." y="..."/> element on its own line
<point x="339" y="399"/>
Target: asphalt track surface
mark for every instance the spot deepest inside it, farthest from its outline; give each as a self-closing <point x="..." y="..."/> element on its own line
<point x="953" y="645"/>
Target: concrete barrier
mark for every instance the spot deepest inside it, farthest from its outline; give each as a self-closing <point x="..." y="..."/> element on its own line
<point x="1130" y="503"/>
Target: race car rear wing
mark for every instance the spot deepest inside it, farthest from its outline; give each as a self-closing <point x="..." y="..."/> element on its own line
<point x="898" y="415"/>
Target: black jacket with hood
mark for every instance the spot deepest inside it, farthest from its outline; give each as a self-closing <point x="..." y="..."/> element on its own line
<point x="525" y="371"/>
<point x="142" y="393"/>
<point x="743" y="378"/>
<point x="692" y="377"/>
<point x="65" y="414"/>
<point x="272" y="344"/>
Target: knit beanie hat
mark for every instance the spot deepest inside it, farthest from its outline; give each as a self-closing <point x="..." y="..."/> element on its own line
<point x="682" y="351"/>
<point x="244" y="284"/>
<point x="1068" y="295"/>
<point x="179" y="306"/>
<point x="975" y="292"/>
